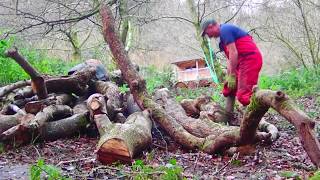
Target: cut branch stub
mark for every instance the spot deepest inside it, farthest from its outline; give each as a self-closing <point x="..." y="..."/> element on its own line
<point x="111" y="93"/>
<point x="37" y="80"/>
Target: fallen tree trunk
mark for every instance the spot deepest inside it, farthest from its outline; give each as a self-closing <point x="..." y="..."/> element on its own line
<point x="138" y="89"/>
<point x="261" y="101"/>
<point x="212" y="143"/>
<point x="119" y="142"/>
<point x="204" y="108"/>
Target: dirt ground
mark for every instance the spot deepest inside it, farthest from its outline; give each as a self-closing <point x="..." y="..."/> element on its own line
<point x="76" y="157"/>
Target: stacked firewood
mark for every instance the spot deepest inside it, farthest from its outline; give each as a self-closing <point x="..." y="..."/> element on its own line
<point x="48" y="108"/>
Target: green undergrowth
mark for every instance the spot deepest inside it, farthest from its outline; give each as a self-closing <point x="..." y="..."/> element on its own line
<point x="156" y="78"/>
<point x="138" y="171"/>
<point x="170" y="171"/>
<point x="41" y="170"/>
<point x="295" y="82"/>
<point x="295" y="176"/>
<point x="12" y="72"/>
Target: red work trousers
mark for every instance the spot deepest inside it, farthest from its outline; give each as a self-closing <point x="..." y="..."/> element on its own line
<point x="247" y="74"/>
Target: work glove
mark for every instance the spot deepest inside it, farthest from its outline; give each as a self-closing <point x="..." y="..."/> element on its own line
<point x="231" y="82"/>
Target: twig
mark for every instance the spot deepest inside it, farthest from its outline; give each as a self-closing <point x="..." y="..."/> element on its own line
<point x="74" y="160"/>
<point x="39" y="155"/>
<point x="234" y="157"/>
<point x="123" y="171"/>
<point x="159" y="146"/>
<point x="196" y="162"/>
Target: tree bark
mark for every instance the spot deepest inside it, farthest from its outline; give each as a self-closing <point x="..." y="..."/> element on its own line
<point x="77" y="83"/>
<point x="8" y="121"/>
<point x="62" y="128"/>
<point x="66" y="127"/>
<point x="119" y="142"/>
<point x="48" y="114"/>
<point x="112" y="94"/>
<point x="9" y="88"/>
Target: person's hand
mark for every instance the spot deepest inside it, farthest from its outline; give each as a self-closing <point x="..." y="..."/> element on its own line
<point x="231" y="81"/>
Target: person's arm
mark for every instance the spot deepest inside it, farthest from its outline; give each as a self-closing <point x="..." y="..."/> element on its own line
<point x="233" y="59"/>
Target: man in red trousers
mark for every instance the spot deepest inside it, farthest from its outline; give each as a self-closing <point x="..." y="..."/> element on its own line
<point x="244" y="61"/>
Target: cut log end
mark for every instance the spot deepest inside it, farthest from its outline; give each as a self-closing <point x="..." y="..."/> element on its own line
<point x="114" y="150"/>
<point x="95" y="105"/>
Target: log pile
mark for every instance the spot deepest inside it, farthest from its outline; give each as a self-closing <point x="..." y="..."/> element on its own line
<point x="48" y="108"/>
<point x="65" y="106"/>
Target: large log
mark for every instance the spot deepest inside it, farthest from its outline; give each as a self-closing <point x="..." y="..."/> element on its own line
<point x="28" y="128"/>
<point x="9" y="88"/>
<point x="23" y="101"/>
<point x="63" y="128"/>
<point x="8" y="121"/>
<point x="119" y="142"/>
<point x="24" y="93"/>
<point x="66" y="127"/>
<point x="210" y="144"/>
<point x="36" y="106"/>
<point x="48" y="114"/>
<point x="10" y="125"/>
<point x="76" y="83"/>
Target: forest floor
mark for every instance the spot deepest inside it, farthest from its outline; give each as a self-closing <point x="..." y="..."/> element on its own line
<point x="76" y="156"/>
